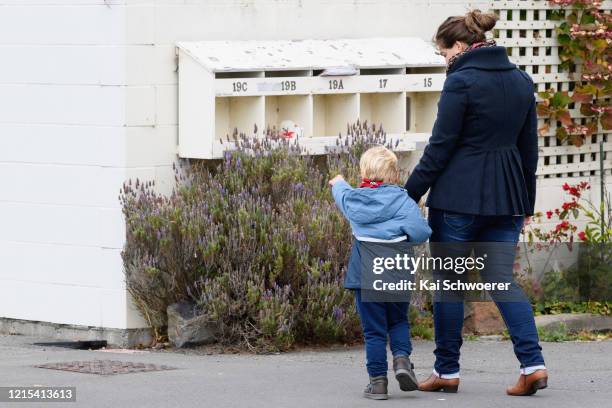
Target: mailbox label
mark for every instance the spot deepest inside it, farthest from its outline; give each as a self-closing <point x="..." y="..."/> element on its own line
<point x="327" y="85"/>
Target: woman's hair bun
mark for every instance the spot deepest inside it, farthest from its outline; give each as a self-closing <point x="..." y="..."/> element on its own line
<point x="479" y="23"/>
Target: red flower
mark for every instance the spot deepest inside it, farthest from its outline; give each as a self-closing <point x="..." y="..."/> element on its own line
<point x="549" y="214"/>
<point x="564" y="225"/>
<point x="574" y="191"/>
<point x="569" y="205"/>
<point x="582" y="236"/>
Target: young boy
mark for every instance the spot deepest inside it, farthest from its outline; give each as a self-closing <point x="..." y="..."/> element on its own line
<point x="381" y="211"/>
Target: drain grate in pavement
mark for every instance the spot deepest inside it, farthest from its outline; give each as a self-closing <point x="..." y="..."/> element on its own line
<point x="105" y="367"/>
<point x="80" y="344"/>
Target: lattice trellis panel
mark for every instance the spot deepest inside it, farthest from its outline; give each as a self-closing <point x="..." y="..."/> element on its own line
<point x="525" y="29"/>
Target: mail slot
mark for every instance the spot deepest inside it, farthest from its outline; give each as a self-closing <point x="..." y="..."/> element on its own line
<point x="307" y="89"/>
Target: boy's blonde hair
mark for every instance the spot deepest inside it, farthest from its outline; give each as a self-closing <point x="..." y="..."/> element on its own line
<point x="379" y="163"/>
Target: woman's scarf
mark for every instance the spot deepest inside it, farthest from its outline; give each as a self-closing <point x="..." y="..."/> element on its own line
<point x="453" y="59"/>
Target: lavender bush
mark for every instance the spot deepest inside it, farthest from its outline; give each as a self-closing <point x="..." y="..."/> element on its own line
<point x="254" y="240"/>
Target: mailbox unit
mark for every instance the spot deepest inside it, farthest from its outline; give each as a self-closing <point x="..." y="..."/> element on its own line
<point x="319" y="85"/>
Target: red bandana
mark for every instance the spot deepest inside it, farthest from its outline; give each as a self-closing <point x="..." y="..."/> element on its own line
<point x="370" y="183"/>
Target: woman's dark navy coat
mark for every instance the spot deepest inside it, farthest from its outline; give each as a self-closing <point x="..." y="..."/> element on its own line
<point x="483" y="151"/>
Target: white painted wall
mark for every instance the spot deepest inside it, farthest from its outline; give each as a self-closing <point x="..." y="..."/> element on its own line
<point x="71" y="131"/>
<point x="88" y="98"/>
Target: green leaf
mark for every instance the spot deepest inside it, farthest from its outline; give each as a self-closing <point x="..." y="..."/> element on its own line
<point x="560" y="100"/>
<point x="563" y="39"/>
<point x="600" y="44"/>
<point x="561" y="133"/>
<point x="544" y="95"/>
<point x="588" y="88"/>
<point x="556" y="15"/>
<point x="587" y="18"/>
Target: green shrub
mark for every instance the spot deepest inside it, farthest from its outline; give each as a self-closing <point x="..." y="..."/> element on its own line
<point x="557" y="307"/>
<point x="557" y="333"/>
<point x="421" y="324"/>
<point x="255" y="240"/>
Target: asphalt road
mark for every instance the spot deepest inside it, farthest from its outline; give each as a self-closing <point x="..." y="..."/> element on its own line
<point x="580" y="375"/>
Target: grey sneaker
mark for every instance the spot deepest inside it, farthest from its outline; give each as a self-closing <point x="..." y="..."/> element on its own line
<point x="377" y="388"/>
<point x="404" y="373"/>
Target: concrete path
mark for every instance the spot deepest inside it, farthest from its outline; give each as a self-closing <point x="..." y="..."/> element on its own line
<point x="580" y="376"/>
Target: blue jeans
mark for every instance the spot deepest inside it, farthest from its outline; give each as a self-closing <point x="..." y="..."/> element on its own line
<point x="379" y="320"/>
<point x="448" y="316"/>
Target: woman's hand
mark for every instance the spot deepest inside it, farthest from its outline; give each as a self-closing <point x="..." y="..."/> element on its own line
<point x="335" y="180"/>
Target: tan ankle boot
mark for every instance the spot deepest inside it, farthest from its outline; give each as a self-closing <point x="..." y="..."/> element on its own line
<point x="529" y="384"/>
<point x="435" y="383"/>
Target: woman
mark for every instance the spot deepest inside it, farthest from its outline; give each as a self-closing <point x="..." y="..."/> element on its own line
<point x="479" y="168"/>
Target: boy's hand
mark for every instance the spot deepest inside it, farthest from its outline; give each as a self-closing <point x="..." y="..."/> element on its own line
<point x="335" y="180"/>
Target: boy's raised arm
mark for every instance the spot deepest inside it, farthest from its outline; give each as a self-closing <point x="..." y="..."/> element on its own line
<point x="340" y="189"/>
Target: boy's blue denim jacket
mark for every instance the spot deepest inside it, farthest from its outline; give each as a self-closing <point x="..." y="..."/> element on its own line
<point x="385" y="213"/>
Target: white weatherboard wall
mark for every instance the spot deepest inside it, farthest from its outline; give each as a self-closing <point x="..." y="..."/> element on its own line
<point x="88" y="98"/>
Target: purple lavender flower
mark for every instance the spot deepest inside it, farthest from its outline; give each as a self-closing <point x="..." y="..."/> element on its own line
<point x="338" y="314"/>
